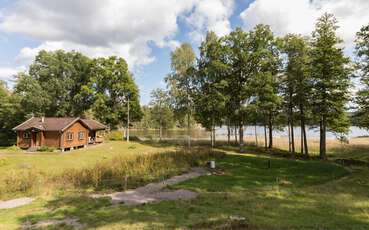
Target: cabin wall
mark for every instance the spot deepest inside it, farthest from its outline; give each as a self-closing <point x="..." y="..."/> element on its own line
<point x="23" y="142"/>
<point x="51" y="139"/>
<point x="75" y="129"/>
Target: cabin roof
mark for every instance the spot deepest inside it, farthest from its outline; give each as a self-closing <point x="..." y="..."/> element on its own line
<point x="57" y="124"/>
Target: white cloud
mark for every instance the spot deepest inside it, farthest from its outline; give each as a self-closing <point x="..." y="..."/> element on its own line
<point x="210" y="15"/>
<point x="95" y="27"/>
<point x="111" y="27"/>
<point x="299" y="16"/>
<point x="7" y="74"/>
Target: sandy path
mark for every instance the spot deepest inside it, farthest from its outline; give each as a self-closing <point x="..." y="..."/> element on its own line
<point x="15" y="202"/>
<point x="155" y="192"/>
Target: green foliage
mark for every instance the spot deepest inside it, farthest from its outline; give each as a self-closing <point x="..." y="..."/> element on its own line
<point x="179" y="80"/>
<point x="331" y="79"/>
<point x="46" y="149"/>
<point x="362" y="51"/>
<point x="115" y="135"/>
<point x="210" y="83"/>
<point x="113" y="86"/>
<point x="11" y="114"/>
<point x="63" y="83"/>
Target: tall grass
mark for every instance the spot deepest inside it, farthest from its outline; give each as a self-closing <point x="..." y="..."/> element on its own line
<point x="121" y="172"/>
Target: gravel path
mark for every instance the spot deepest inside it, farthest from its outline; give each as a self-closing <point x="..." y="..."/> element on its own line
<point x="15" y="202"/>
<point x="155" y="192"/>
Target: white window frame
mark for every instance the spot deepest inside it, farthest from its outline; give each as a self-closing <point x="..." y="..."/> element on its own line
<point x="70" y="136"/>
<point x="81" y="135"/>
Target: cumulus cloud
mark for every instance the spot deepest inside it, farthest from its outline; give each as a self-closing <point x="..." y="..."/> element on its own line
<point x="210" y="15"/>
<point x="111" y="27"/>
<point x="299" y="16"/>
<point x="95" y="27"/>
<point x="7" y="74"/>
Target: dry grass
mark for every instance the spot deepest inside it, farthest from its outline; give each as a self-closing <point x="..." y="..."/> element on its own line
<point x="120" y="172"/>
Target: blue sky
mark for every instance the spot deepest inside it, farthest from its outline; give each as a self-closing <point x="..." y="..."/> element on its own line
<point x="144" y="32"/>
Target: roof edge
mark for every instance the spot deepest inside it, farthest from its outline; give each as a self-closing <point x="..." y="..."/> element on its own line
<point x="16" y="127"/>
<point x="70" y="124"/>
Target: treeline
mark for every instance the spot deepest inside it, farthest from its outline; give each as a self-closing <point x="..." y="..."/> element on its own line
<point x="256" y="78"/>
<point x="60" y="84"/>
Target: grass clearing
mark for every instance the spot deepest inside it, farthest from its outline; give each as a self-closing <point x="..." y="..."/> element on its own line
<point x="244" y="193"/>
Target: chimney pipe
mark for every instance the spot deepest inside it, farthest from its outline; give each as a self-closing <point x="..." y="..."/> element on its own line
<point x="42" y="119"/>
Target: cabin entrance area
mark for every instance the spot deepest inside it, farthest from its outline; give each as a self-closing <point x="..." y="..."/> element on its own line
<point x="35" y="138"/>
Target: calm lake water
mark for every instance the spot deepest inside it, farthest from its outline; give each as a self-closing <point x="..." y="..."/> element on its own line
<point x="221" y="133"/>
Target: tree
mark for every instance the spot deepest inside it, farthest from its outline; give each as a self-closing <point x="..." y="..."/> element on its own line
<point x="331" y="79"/>
<point x="64" y="79"/>
<point x="33" y="98"/>
<point x="265" y="83"/>
<point x="362" y="98"/>
<point x="179" y="82"/>
<point x="10" y="115"/>
<point x="210" y="84"/>
<point x="297" y="85"/>
<point x="112" y="85"/>
<point x="161" y="114"/>
<point x="241" y="64"/>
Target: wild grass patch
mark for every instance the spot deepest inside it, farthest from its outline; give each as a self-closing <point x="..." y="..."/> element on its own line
<point x="120" y="172"/>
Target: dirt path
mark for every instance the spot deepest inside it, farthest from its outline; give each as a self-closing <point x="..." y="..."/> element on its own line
<point x="15" y="202"/>
<point x="155" y="192"/>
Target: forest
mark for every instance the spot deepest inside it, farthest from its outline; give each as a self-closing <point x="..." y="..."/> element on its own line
<point x="244" y="78"/>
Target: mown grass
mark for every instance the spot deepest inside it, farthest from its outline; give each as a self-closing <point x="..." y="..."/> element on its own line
<point x="290" y="194"/>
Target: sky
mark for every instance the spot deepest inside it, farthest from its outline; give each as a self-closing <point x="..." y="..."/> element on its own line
<point x="145" y="32"/>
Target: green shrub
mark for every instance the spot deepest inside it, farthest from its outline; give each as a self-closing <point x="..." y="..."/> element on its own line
<point x="115" y="135"/>
<point x="46" y="149"/>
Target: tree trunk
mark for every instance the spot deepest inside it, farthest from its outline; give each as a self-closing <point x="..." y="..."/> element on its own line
<point x="270" y="124"/>
<point x="323" y="138"/>
<point x="289" y="135"/>
<point x="189" y="129"/>
<point x="301" y="138"/>
<point x="304" y="145"/>
<point x="292" y="124"/>
<point x="265" y="137"/>
<point x="235" y="135"/>
<point x="241" y="136"/>
<point x="228" y="133"/>
<point x="256" y="137"/>
<point x="214" y="139"/>
<point x="292" y="136"/>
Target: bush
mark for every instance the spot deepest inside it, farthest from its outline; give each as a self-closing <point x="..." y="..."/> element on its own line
<point x="115" y="135"/>
<point x="46" y="149"/>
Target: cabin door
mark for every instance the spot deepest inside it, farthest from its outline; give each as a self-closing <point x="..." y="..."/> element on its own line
<point x="36" y="139"/>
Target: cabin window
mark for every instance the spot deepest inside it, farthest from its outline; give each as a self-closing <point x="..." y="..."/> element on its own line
<point x="81" y="135"/>
<point x="26" y="135"/>
<point x="70" y="136"/>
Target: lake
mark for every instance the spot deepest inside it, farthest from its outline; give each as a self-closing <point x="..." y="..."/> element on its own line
<point x="221" y="133"/>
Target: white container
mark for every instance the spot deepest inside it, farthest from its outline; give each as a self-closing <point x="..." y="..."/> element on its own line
<point x="212" y="164"/>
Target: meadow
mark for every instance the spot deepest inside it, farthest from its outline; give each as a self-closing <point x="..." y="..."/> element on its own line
<point x="253" y="190"/>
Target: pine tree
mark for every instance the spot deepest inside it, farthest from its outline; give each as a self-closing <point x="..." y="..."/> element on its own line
<point x="331" y="79"/>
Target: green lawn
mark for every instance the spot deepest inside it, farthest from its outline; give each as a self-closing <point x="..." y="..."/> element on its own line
<point x="289" y="195"/>
<point x="57" y="162"/>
